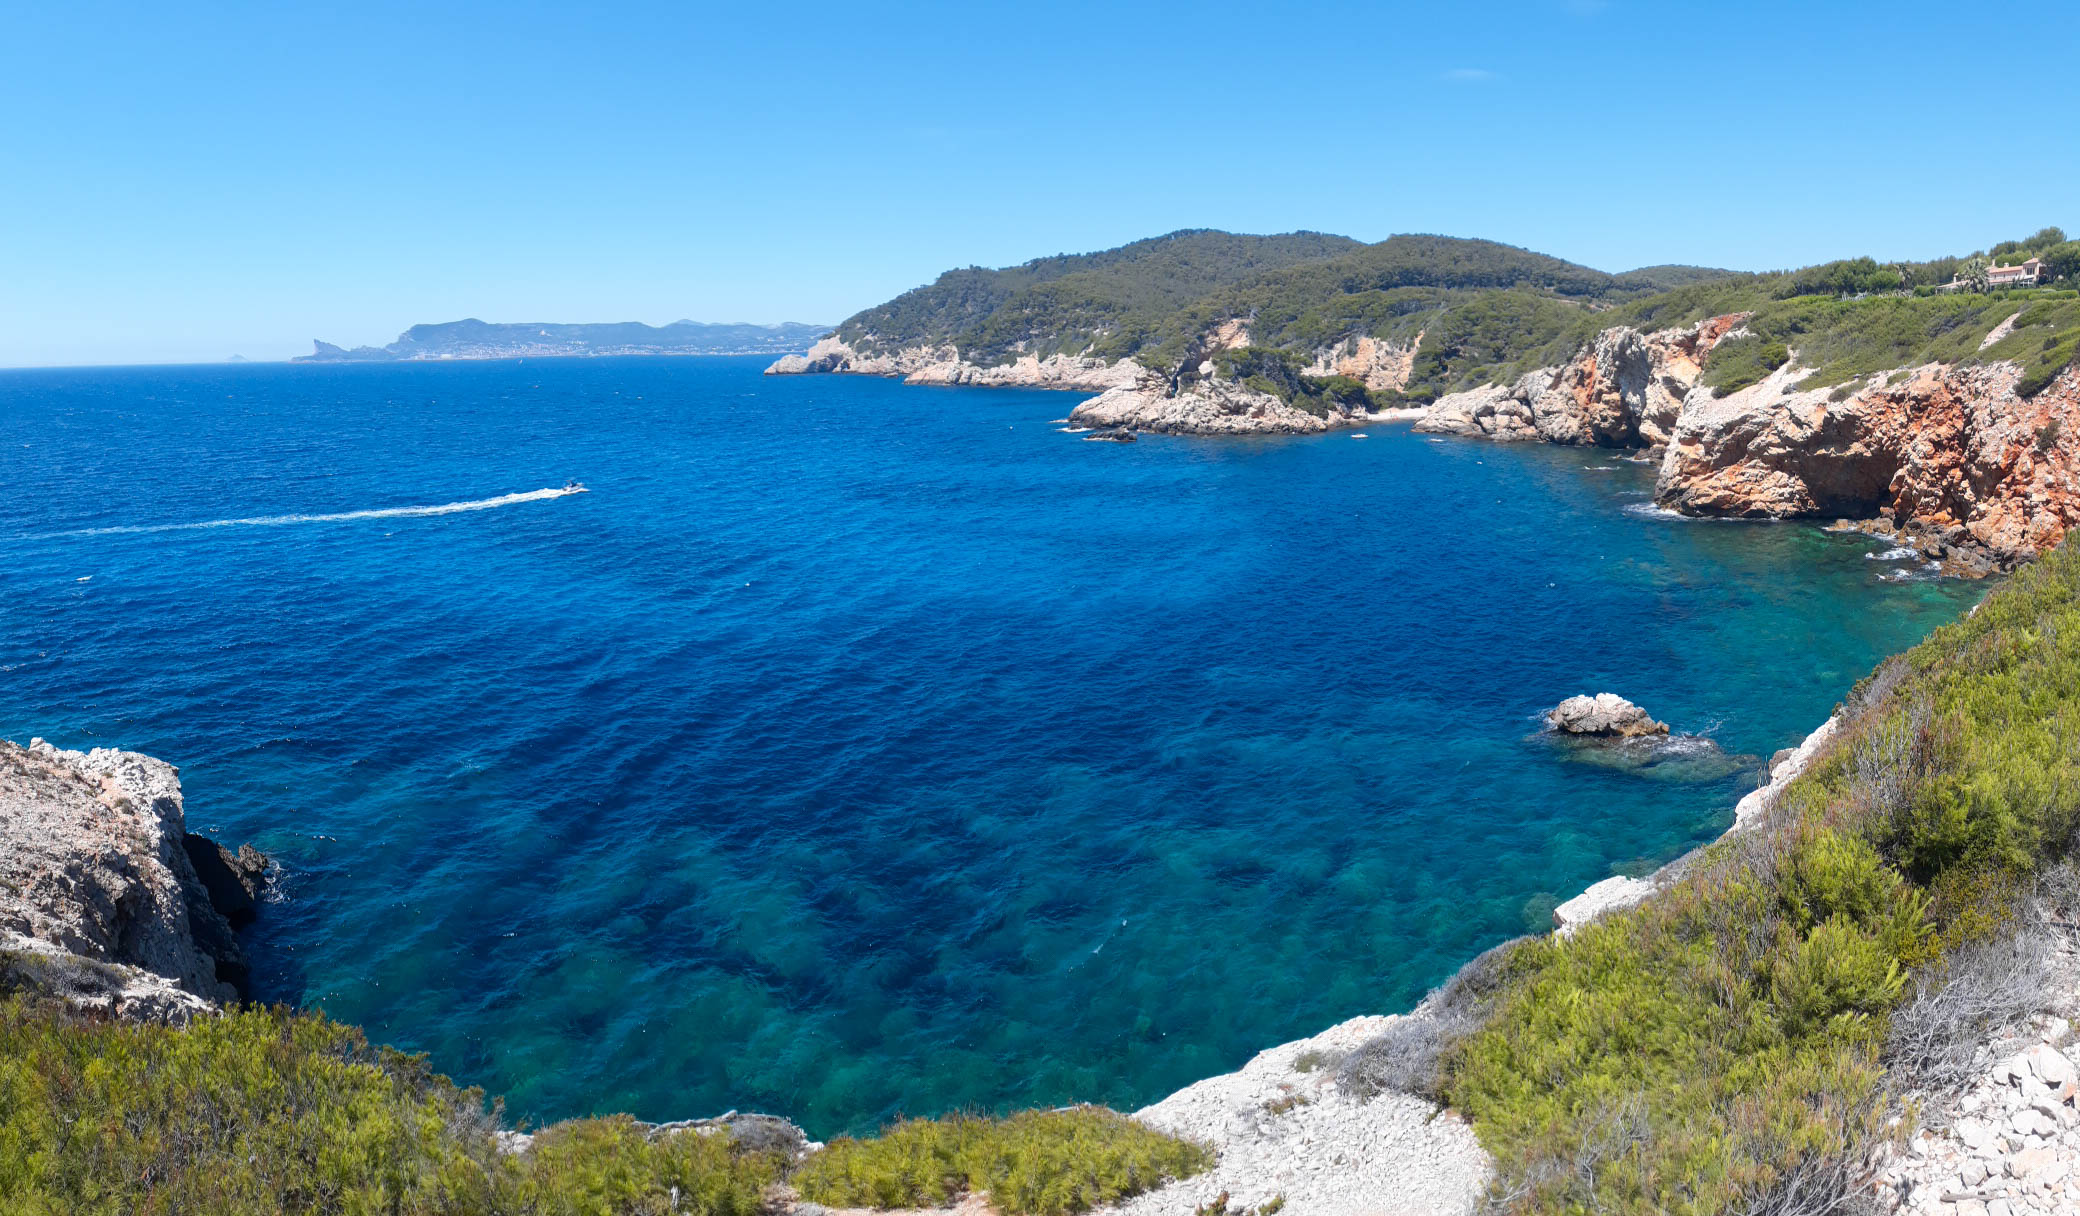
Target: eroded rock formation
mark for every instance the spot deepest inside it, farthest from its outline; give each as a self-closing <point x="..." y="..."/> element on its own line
<point x="1606" y="714"/>
<point x="1949" y="459"/>
<point x="100" y="901"/>
<point x="1380" y="365"/>
<point x="1626" y="389"/>
<point x="943" y="365"/>
<point x="1207" y="407"/>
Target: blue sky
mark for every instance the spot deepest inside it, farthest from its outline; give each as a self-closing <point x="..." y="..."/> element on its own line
<point x="183" y="182"/>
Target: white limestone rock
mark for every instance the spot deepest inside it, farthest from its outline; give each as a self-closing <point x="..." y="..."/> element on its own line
<point x="1209" y="407"/>
<point x="1281" y="1131"/>
<point x="92" y="867"/>
<point x="1610" y="895"/>
<point x="1754" y="806"/>
<point x="1605" y="714"/>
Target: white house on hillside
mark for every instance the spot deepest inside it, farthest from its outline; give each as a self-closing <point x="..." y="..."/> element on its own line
<point x="2028" y="274"/>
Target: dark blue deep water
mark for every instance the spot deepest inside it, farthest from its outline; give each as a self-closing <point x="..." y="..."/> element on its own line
<point x="856" y="748"/>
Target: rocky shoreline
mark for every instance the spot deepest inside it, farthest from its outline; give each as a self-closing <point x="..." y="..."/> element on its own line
<point x="1949" y="460"/>
<point x="1286" y="1125"/>
<point x="103" y="904"/>
<point x="106" y="900"/>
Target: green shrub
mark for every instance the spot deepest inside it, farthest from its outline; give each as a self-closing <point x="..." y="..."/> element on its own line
<point x="613" y="1166"/>
<point x="1739" y="362"/>
<point x="1732" y="1037"/>
<point x="1845" y="278"/>
<point x="266" y="1112"/>
<point x="1041" y="1163"/>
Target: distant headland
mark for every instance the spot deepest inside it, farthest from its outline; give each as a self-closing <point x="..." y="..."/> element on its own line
<point x="1931" y="402"/>
<point x="474" y="339"/>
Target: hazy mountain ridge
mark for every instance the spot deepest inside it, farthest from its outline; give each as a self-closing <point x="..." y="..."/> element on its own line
<point x="475" y="339"/>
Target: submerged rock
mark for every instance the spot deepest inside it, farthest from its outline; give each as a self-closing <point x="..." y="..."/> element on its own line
<point x="1606" y="714"/>
<point x="1683" y="759"/>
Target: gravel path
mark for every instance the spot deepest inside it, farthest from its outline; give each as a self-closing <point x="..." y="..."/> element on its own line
<point x="1283" y="1131"/>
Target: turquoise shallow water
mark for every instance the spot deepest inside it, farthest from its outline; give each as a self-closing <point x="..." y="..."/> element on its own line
<point x="856" y="748"/>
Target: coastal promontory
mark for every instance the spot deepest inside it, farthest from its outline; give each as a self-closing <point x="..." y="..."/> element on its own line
<point x="1934" y="402"/>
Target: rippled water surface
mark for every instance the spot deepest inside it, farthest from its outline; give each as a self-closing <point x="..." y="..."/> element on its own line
<point x="855" y="748"/>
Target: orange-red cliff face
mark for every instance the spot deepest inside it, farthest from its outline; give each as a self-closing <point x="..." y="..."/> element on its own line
<point x="1948" y="458"/>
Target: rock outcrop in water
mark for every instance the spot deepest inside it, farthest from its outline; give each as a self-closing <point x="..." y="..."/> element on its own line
<point x="1210" y="407"/>
<point x="1131" y="396"/>
<point x="943" y="365"/>
<point x="1606" y="714"/>
<point x="101" y="902"/>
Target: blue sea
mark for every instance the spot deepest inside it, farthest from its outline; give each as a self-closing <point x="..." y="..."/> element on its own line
<point x="854" y="748"/>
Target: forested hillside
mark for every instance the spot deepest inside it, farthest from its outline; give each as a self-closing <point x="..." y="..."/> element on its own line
<point x="1111" y="300"/>
<point x="1474" y="312"/>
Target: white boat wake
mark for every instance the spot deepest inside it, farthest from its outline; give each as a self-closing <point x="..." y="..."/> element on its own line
<point x="276" y="521"/>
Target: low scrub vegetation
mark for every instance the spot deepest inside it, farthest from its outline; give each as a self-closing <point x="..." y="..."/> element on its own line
<point x="1842" y="341"/>
<point x="1409" y="1056"/>
<point x="1739" y="362"/>
<point x="269" y="1111"/>
<point x="272" y="1111"/>
<point x="1739" y="1043"/>
<point x="1040" y="1163"/>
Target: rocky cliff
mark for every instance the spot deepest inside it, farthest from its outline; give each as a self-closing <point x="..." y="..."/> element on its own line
<point x="1131" y="396"/>
<point x="1626" y="389"/>
<point x="102" y="901"/>
<point x="1951" y="460"/>
<point x="1378" y="364"/>
<point x="943" y="365"/>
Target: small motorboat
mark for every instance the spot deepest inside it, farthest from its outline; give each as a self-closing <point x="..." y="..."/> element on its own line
<point x="574" y="486"/>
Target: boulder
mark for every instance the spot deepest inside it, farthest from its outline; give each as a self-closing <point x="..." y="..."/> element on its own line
<point x="1605" y="715"/>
